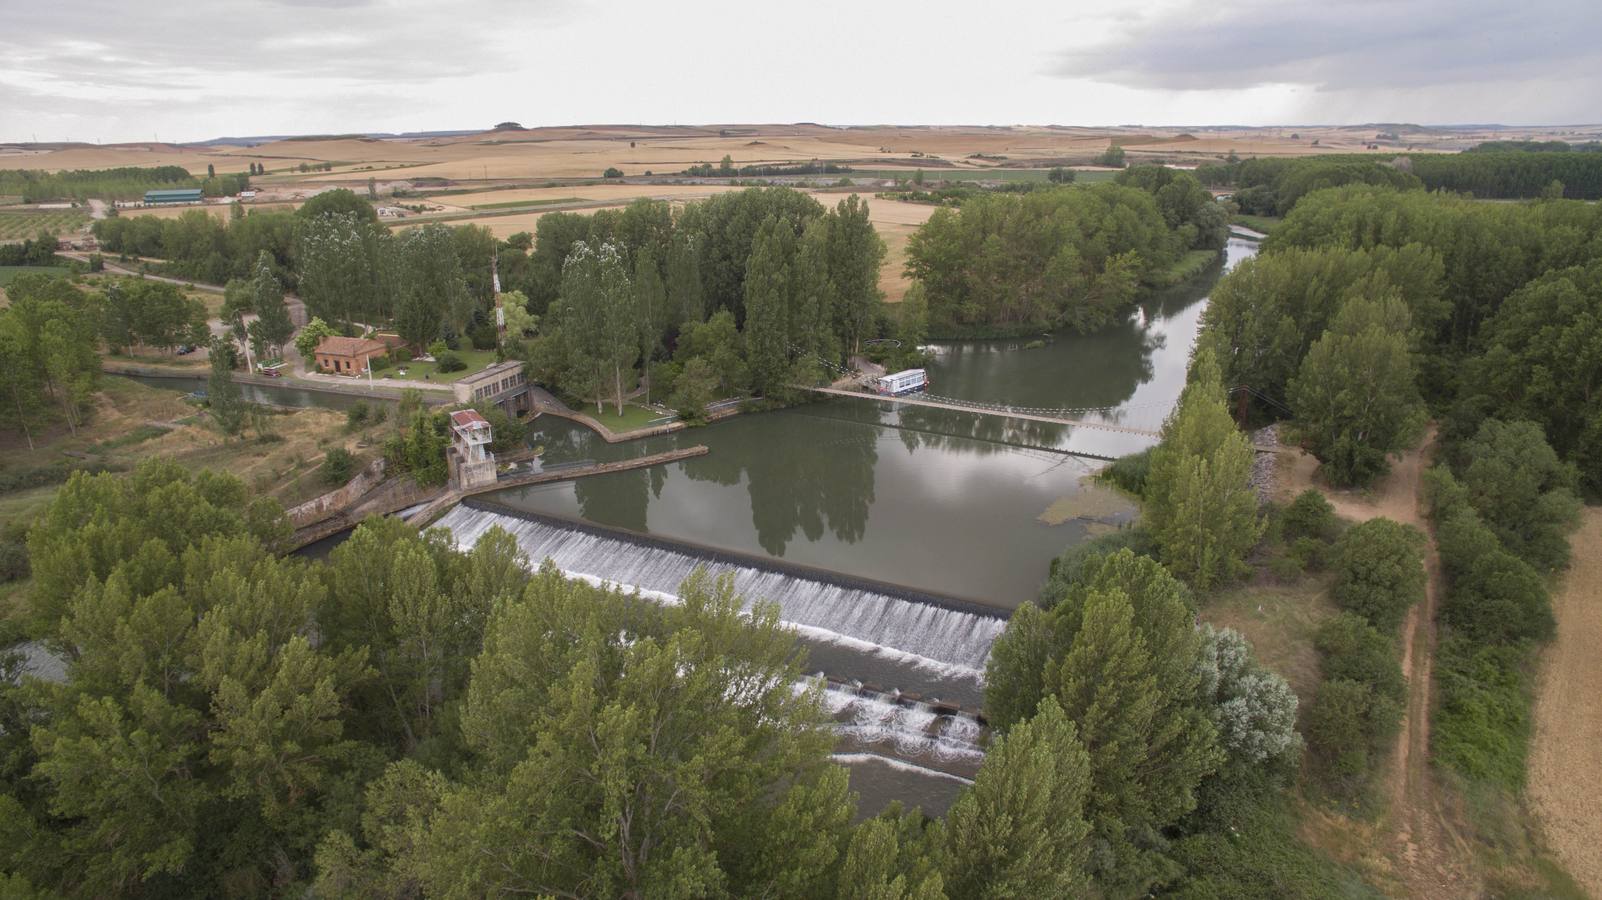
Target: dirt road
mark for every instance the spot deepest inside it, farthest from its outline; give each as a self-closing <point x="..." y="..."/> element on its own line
<point x="1566" y="754"/>
<point x="1430" y="858"/>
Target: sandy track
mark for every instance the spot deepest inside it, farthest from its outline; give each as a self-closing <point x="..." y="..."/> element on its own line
<point x="1565" y="765"/>
<point x="1430" y="858"/>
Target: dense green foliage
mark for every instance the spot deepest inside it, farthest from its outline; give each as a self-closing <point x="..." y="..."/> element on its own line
<point x="1379" y="572"/>
<point x="1501" y="512"/>
<point x="1198" y="503"/>
<point x="49" y="361"/>
<point x="753" y="290"/>
<point x="1120" y="653"/>
<point x="127" y="183"/>
<point x="1355" y="394"/>
<point x="1066" y="257"/>
<point x="1272" y="186"/>
<point x="1501" y="301"/>
<point x="1359" y="704"/>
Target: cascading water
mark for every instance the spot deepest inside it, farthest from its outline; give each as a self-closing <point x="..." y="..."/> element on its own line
<point x="886" y="639"/>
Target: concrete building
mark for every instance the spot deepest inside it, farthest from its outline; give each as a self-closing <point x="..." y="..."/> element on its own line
<point x="471" y="462"/>
<point x="347" y="355"/>
<point x="173" y="195"/>
<point x="502" y="384"/>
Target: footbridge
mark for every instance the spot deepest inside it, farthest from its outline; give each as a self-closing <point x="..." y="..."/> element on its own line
<point x="1073" y="417"/>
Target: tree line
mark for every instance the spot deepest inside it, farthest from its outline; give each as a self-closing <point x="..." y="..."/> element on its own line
<point x="1058" y="258"/>
<point x="52" y="333"/>
<point x="1271" y="186"/>
<point x="752" y="290"/>
<point x="125" y="183"/>
<point x="1371" y="309"/>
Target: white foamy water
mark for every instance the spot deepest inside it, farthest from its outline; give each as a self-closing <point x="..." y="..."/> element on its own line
<point x="946" y="641"/>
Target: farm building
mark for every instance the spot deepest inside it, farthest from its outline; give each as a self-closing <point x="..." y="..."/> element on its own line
<point x="347" y="355"/>
<point x="173" y="195"/>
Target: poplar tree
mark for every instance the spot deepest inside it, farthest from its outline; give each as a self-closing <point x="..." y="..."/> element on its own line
<point x="768" y="282"/>
<point x="222" y="393"/>
<point x="652" y="310"/>
<point x="855" y="252"/>
<point x="267" y="295"/>
<point x="1199" y="502"/>
<point x="685" y="292"/>
<point x="1020" y="831"/>
<point x="1355" y="396"/>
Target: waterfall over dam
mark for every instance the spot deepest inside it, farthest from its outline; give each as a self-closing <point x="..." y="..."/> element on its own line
<point x="857" y="630"/>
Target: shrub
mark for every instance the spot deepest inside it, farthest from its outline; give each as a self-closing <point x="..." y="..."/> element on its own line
<point x="1310" y="515"/>
<point x="449" y="362"/>
<point x="1129" y="472"/>
<point x="437" y="348"/>
<point x="401" y="354"/>
<point x="1346" y="725"/>
<point x="1287" y="568"/>
<point x="13" y="560"/>
<point x="1482" y="727"/>
<point x="357" y="416"/>
<point x="338" y="466"/>
<point x="482" y="336"/>
<point x="1071" y="568"/>
<point x="379" y="363"/>
<point x="1523" y="491"/>
<point x="612" y="172"/>
<point x="1353" y="650"/>
<point x="1379" y="568"/>
<point x="1311" y="553"/>
<point x="1493" y="596"/>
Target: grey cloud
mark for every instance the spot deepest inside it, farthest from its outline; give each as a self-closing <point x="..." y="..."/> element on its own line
<point x="1364" y="45"/>
<point x="169" y="47"/>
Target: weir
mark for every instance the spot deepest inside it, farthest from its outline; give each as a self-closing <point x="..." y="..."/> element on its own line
<point x="860" y="630"/>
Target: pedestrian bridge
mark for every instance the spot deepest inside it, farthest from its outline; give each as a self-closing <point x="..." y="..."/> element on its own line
<point x="1074" y="417"/>
<point x="1049" y="416"/>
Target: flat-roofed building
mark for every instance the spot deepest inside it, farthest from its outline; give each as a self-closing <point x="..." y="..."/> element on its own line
<point x="502" y="384"/>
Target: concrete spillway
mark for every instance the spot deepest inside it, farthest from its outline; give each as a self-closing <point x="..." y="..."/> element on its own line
<point x="858" y="630"/>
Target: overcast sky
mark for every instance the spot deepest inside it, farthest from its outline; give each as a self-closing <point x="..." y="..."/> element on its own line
<point x="120" y="70"/>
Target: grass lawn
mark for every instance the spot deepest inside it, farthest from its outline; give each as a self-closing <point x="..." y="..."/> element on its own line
<point x="1279" y="620"/>
<point x="633" y="418"/>
<point x="10" y="273"/>
<point x="426" y="371"/>
<point x="1265" y="224"/>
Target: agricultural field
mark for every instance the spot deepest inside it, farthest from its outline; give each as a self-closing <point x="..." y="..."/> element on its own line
<point x="21" y="224"/>
<point x="10" y="273"/>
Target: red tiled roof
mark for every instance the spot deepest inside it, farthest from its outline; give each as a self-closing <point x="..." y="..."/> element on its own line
<point x="466" y="417"/>
<point x="349" y="346"/>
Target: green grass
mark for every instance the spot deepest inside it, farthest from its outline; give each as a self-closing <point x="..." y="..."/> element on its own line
<point x="1279" y="620"/>
<point x="20" y="224"/>
<point x="21" y="505"/>
<point x="1190" y="265"/>
<point x="426" y="371"/>
<point x="512" y="204"/>
<point x="1265" y="224"/>
<point x="10" y="273"/>
<point x="633" y="418"/>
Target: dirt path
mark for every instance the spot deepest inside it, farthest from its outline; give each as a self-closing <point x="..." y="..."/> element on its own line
<point x="1430" y="857"/>
<point x="1566" y="754"/>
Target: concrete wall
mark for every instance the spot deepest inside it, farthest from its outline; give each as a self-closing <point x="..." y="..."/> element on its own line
<point x="338" y="499"/>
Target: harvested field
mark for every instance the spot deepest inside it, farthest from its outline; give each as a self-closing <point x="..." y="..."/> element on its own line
<point x="598" y="192"/>
<point x="220" y="210"/>
<point x="1565" y="768"/>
